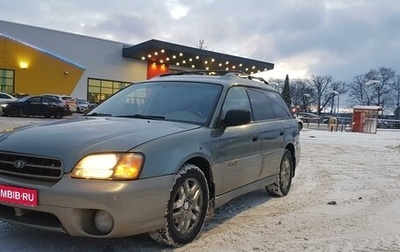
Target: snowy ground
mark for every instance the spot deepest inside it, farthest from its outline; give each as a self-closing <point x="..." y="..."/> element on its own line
<point x="358" y="172"/>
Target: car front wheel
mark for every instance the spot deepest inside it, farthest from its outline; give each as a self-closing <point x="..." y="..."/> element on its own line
<point x="186" y="209"/>
<point x="284" y="179"/>
<point x="14" y="111"/>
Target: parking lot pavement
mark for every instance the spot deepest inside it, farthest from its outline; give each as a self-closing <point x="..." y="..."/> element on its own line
<point x="12" y="122"/>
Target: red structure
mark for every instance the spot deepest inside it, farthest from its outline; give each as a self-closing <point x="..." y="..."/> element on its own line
<point x="365" y="119"/>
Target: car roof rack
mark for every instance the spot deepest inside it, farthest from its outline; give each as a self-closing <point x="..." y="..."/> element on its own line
<point x="203" y="72"/>
<point x="217" y="73"/>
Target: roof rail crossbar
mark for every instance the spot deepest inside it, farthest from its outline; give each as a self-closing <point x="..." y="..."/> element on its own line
<point x="250" y="77"/>
<point x="258" y="78"/>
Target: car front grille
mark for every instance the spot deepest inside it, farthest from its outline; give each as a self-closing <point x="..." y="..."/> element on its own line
<point x="33" y="167"/>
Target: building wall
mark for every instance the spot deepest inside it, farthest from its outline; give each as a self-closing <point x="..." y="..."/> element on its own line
<point x="36" y="72"/>
<point x="101" y="59"/>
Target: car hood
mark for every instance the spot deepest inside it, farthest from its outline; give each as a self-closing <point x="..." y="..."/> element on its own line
<point x="71" y="139"/>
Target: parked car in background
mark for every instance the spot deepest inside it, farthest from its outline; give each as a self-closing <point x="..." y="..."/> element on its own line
<point x="35" y="106"/>
<point x="4" y="97"/>
<point x="299" y="122"/>
<point x="308" y="117"/>
<point x="156" y="157"/>
<point x="67" y="100"/>
<point x="19" y="95"/>
<point x="84" y="106"/>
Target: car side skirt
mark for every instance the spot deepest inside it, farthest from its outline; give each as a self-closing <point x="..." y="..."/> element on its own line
<point x="222" y="199"/>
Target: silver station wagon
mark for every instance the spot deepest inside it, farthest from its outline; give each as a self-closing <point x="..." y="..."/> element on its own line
<point x="157" y="157"/>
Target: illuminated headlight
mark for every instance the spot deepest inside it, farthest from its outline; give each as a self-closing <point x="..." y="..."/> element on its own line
<point x="117" y="166"/>
<point x="3" y="105"/>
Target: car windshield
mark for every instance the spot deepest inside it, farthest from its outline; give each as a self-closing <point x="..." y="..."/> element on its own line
<point x="172" y="101"/>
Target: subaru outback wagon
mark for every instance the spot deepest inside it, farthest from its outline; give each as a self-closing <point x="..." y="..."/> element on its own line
<point x="157" y="157"/>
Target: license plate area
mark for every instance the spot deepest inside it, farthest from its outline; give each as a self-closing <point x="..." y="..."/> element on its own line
<point x="18" y="195"/>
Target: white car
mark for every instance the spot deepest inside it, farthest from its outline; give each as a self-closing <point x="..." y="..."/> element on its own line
<point x="84" y="106"/>
<point x="4" y="97"/>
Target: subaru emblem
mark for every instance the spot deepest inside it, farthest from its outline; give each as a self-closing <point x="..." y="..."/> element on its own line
<point x="19" y="164"/>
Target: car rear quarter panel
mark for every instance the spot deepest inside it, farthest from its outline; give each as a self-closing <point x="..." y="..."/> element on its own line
<point x="292" y="139"/>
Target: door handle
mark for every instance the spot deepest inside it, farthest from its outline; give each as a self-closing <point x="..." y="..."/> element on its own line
<point x="281" y="132"/>
<point x="254" y="137"/>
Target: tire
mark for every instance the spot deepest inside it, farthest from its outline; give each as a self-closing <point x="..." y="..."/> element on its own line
<point x="58" y="115"/>
<point x="284" y="179"/>
<point x="14" y="111"/>
<point x="186" y="210"/>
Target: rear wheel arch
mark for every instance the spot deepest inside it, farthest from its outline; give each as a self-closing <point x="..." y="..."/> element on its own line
<point x="290" y="147"/>
<point x="283" y="181"/>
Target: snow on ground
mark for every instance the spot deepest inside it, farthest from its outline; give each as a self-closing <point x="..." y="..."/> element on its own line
<point x="345" y="197"/>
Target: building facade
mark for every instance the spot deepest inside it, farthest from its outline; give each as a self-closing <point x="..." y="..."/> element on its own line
<point x="35" y="60"/>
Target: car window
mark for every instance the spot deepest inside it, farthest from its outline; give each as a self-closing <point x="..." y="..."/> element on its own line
<point x="48" y="100"/>
<point x="261" y="105"/>
<point x="237" y="99"/>
<point x="34" y="100"/>
<point x="3" y="96"/>
<point x="267" y="105"/>
<point x="281" y="110"/>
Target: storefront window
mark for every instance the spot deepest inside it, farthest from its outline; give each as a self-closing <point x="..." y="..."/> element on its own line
<point x="7" y="81"/>
<point x="99" y="90"/>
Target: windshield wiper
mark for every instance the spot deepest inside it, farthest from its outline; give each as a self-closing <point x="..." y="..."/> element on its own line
<point x="98" y="114"/>
<point x="151" y="117"/>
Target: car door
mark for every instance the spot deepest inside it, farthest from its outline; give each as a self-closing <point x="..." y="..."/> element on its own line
<point x="268" y="115"/>
<point x="32" y="106"/>
<point x="238" y="149"/>
<point x="50" y="106"/>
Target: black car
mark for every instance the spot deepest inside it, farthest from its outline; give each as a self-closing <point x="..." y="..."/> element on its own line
<point x="35" y="106"/>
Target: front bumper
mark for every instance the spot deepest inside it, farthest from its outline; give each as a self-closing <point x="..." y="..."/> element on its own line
<point x="68" y="206"/>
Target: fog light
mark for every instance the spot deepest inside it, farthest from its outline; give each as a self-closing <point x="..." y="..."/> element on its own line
<point x="103" y="222"/>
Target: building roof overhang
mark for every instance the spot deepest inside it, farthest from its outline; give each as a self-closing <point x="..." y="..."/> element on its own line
<point x="189" y="57"/>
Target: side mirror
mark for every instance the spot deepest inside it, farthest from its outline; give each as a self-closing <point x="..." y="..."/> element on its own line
<point x="236" y="117"/>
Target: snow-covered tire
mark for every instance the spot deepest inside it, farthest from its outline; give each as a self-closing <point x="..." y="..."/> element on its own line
<point x="186" y="210"/>
<point x="284" y="179"/>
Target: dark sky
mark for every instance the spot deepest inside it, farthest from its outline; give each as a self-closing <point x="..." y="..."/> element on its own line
<point x="341" y="38"/>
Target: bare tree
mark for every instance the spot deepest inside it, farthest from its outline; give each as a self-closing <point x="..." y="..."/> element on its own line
<point x="384" y="79"/>
<point x="202" y="45"/>
<point x="356" y="90"/>
<point x="323" y="86"/>
<point x="303" y="94"/>
<point x="276" y="83"/>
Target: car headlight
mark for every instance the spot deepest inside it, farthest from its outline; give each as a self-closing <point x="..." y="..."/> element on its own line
<point x="4" y="105"/>
<point x="110" y="166"/>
